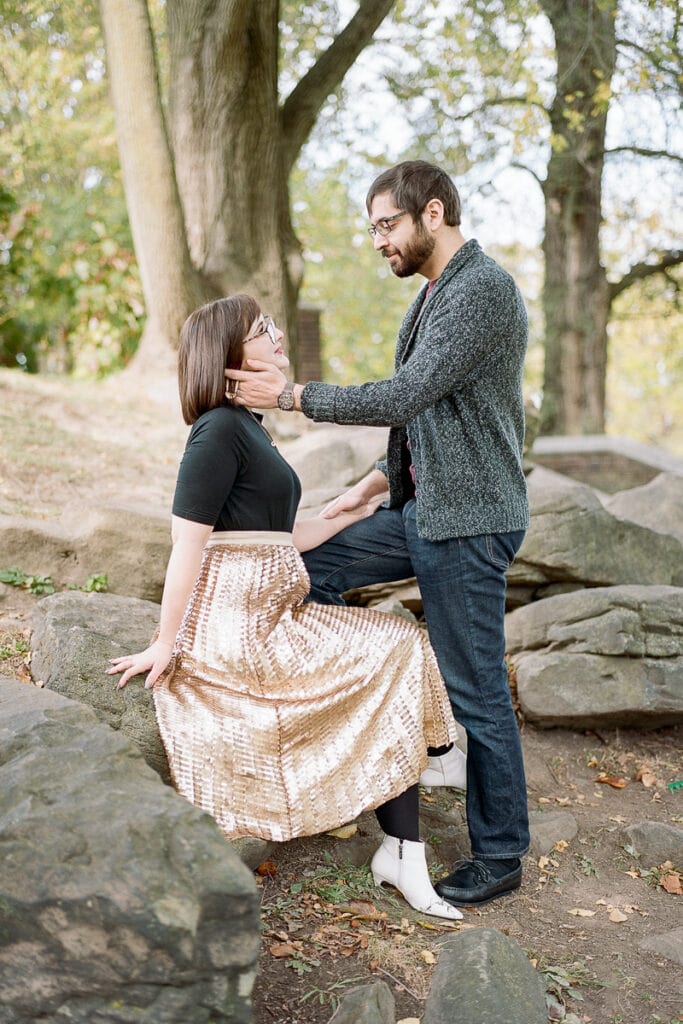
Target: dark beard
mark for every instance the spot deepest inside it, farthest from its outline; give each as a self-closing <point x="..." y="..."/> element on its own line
<point x="415" y="253"/>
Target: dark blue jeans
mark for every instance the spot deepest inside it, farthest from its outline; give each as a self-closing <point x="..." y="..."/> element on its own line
<point x="462" y="582"/>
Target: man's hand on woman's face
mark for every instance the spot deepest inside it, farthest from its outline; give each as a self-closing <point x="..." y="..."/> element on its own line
<point x="259" y="387"/>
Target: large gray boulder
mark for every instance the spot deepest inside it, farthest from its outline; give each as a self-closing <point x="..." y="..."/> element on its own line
<point x="335" y="457"/>
<point x="604" y="656"/>
<point x="119" y="900"/>
<point x="74" y="637"/>
<point x="574" y="540"/>
<point x="128" y="543"/>
<point x="657" y="506"/>
<point x="328" y="460"/>
<point x="483" y="976"/>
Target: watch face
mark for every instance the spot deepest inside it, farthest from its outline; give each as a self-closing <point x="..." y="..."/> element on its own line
<point x="286" y="398"/>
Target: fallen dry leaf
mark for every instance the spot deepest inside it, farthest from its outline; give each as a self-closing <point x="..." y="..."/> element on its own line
<point x="447" y="925"/>
<point x="611" y="780"/>
<point x="579" y="912"/>
<point x="646" y="775"/>
<point x="428" y="956"/>
<point x="617" y="917"/>
<point x="561" y="845"/>
<point x="632" y="874"/>
<point x="266" y="869"/>
<point x="282" y="949"/>
<point x="671" y="882"/>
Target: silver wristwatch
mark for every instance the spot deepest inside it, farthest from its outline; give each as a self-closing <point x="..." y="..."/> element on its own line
<point x="285" y="400"/>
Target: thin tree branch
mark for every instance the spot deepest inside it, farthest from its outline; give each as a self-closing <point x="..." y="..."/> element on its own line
<point x="639" y="271"/>
<point x="639" y="151"/>
<point x="498" y="101"/>
<point x="631" y="44"/>
<point x="301" y="108"/>
<point x="523" y="167"/>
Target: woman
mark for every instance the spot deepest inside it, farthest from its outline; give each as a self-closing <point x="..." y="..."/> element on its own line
<point x="279" y="718"/>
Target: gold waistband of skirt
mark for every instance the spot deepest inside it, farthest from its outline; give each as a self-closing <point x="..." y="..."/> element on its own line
<point x="248" y="537"/>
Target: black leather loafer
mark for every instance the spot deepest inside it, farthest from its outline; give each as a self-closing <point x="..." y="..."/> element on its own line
<point x="471" y="884"/>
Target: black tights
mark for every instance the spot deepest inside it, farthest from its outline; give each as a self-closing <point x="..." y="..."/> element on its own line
<point x="400" y="817"/>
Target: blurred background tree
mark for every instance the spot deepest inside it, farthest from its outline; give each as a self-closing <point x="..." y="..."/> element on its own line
<point x="476" y="89"/>
<point x="70" y="293"/>
<point x="585" y="98"/>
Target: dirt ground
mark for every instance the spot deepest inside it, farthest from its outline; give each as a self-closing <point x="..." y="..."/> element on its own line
<point x="583" y="909"/>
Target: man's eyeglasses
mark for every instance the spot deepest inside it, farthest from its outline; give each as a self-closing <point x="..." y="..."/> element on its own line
<point x="268" y="328"/>
<point x="385" y="224"/>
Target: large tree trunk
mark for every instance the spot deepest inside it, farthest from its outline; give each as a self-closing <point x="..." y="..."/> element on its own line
<point x="224" y="120"/>
<point x="233" y="148"/>
<point x="170" y="285"/>
<point x="576" y="293"/>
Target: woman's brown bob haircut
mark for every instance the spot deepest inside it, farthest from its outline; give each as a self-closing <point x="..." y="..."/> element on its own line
<point x="210" y="342"/>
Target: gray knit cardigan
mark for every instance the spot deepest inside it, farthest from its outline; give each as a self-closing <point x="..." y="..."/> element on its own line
<point x="456" y="397"/>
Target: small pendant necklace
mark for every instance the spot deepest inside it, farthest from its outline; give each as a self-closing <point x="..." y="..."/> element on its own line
<point x="265" y="431"/>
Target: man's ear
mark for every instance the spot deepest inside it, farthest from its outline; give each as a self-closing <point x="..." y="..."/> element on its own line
<point x="433" y="214"/>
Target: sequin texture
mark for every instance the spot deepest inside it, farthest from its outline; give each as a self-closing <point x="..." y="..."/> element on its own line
<point x="285" y="719"/>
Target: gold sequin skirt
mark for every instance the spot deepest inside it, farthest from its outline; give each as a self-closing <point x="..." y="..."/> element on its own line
<point x="285" y="719"/>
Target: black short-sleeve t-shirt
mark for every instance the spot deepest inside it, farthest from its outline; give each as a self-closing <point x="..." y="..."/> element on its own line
<point x="232" y="478"/>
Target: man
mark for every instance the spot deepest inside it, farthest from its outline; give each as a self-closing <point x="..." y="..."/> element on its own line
<point x="457" y="509"/>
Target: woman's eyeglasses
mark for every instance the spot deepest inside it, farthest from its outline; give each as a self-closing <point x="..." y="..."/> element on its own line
<point x="268" y="328"/>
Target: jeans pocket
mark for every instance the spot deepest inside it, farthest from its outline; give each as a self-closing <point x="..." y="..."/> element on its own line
<point x="502" y="548"/>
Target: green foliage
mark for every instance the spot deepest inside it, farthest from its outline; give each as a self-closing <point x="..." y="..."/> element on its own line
<point x="337" y="883"/>
<point x="331" y="994"/>
<point x="12" y="647"/>
<point x="361" y="303"/>
<point x="645" y="370"/>
<point x="35" y="584"/>
<point x="302" y="964"/>
<point x="70" y="297"/>
<point x="96" y="584"/>
<point x="39" y="584"/>
<point x="14" y="576"/>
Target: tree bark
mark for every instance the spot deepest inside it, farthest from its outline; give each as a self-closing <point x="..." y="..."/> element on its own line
<point x="576" y="296"/>
<point x="170" y="285"/>
<point x="209" y="203"/>
<point x="234" y="148"/>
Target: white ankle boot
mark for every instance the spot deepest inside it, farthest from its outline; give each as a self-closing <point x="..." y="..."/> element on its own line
<point x="403" y="864"/>
<point x="448" y="770"/>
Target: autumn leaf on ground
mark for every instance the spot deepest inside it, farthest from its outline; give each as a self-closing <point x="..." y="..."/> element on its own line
<point x="579" y="912"/>
<point x="266" y="869"/>
<point x="646" y="776"/>
<point x="617" y="917"/>
<point x="428" y="956"/>
<point x="611" y="780"/>
<point x="282" y="949"/>
<point x="671" y="882"/>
